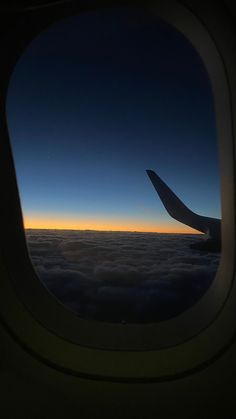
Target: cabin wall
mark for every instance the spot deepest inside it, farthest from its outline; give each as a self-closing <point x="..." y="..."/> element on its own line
<point x="30" y="389"/>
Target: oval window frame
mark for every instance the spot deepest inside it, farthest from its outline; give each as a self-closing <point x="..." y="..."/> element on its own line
<point x="98" y="349"/>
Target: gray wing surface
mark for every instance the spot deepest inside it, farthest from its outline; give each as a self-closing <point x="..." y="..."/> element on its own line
<point x="180" y="212"/>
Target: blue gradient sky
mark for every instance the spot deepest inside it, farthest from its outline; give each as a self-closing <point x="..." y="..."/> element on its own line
<point x="94" y="101"/>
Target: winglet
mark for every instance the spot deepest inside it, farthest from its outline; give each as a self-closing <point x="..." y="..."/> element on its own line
<point x="180" y="212"/>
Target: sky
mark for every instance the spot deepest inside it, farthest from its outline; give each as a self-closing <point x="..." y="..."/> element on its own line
<point x="93" y="102"/>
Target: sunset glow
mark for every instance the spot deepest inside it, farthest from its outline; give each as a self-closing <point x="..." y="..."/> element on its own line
<point x="54" y="222"/>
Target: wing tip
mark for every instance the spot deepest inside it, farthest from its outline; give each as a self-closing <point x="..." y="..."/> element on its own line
<point x="150" y="172"/>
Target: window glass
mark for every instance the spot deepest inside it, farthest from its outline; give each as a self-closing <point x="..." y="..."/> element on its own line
<point x="95" y="101"/>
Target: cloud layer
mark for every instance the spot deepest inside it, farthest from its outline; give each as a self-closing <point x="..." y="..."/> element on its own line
<point x="122" y="276"/>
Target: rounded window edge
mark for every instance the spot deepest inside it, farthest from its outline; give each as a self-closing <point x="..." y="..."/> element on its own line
<point x="117" y="336"/>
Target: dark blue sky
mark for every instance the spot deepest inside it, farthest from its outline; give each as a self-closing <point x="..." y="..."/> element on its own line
<point x="94" y="101"/>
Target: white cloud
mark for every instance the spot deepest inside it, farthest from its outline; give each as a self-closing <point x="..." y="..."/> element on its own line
<point x="117" y="276"/>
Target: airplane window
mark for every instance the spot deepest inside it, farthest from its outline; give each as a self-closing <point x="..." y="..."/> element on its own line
<point x="113" y="132"/>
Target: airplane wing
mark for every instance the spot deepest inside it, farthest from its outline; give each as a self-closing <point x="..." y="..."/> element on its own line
<point x="180" y="212"/>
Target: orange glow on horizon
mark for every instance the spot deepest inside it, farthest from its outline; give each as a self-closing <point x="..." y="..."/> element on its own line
<point x="60" y="223"/>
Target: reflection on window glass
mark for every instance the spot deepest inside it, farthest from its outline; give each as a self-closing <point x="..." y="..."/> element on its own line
<point x="95" y="101"/>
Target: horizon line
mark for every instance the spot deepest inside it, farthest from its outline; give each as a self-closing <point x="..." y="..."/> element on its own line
<point x="112" y="231"/>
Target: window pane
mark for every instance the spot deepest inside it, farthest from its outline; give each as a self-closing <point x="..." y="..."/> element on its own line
<point x="94" y="101"/>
